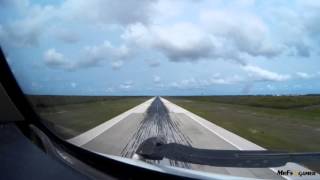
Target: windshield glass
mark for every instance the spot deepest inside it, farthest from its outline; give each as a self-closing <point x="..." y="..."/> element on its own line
<point x="106" y="75"/>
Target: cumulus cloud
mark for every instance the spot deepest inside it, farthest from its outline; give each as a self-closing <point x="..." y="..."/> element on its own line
<point x="247" y="32"/>
<point x="36" y="19"/>
<point x="215" y="33"/>
<point x="215" y="79"/>
<point x="257" y="74"/>
<point x="117" y="64"/>
<point x="182" y="42"/>
<point x="156" y="79"/>
<point x="220" y="34"/>
<point x="271" y="87"/>
<point x="226" y="80"/>
<point x="105" y="52"/>
<point x="108" y="11"/>
<point x="223" y="33"/>
<point x="127" y="85"/>
<point x="260" y="74"/>
<point x="73" y="84"/>
<point x="66" y="35"/>
<point x="178" y="42"/>
<point x="109" y="90"/>
<point x="299" y="48"/>
<point x="152" y="63"/>
<point x="304" y="75"/>
<point x="91" y="56"/>
<point x="300" y="21"/>
<point x="185" y="83"/>
<point x="55" y="59"/>
<point x="26" y="31"/>
<point x="190" y="42"/>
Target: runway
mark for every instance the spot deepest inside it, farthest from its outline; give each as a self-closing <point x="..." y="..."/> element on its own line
<point x="159" y="117"/>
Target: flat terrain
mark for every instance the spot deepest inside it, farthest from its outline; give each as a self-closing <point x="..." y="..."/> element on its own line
<point x="279" y="123"/>
<point x="290" y="123"/>
<point x="69" y="116"/>
<point x="164" y="119"/>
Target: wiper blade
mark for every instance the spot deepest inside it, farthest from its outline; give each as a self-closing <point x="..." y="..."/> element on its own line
<point x="156" y="148"/>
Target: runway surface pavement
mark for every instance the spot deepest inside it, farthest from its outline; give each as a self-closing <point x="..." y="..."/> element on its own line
<point x="122" y="135"/>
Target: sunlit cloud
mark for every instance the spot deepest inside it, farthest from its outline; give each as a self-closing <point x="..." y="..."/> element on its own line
<point x="156" y="79"/>
<point x="259" y="73"/>
<point x="163" y="44"/>
<point x="127" y="85"/>
<point x="304" y="75"/>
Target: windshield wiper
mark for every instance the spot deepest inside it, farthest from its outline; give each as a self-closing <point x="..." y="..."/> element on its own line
<point x="156" y="148"/>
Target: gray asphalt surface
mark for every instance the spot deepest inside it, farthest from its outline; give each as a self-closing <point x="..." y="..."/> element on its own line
<point x="124" y="138"/>
<point x="157" y="122"/>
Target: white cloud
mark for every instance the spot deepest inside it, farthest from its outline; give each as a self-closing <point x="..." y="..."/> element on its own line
<point x="166" y="10"/>
<point x="91" y="56"/>
<point x="109" y="90"/>
<point x="108" y="11"/>
<point x="66" y="35"/>
<point x="226" y="80"/>
<point x="216" y="79"/>
<point x="73" y="84"/>
<point x="37" y="19"/>
<point x="247" y="32"/>
<point x="156" y="79"/>
<point x="152" y="63"/>
<point x="117" y="64"/>
<point x="304" y="75"/>
<point x="300" y="22"/>
<point x="181" y="42"/>
<point x="105" y="52"/>
<point x="126" y="85"/>
<point x="215" y="33"/>
<point x="54" y="59"/>
<point x="270" y="87"/>
<point x="223" y="32"/>
<point x="259" y="73"/>
<point x="191" y="42"/>
<point x="26" y="31"/>
<point x="220" y="35"/>
<point x="226" y="33"/>
<point x="178" y="42"/>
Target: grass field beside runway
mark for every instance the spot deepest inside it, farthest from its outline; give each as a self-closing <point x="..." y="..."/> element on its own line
<point x="69" y="116"/>
<point x="279" y="123"/>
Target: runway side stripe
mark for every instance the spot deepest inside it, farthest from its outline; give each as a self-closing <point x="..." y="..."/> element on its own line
<point x="233" y="139"/>
<point x="96" y="131"/>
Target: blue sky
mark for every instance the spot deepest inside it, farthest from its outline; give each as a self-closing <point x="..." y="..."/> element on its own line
<point x="162" y="47"/>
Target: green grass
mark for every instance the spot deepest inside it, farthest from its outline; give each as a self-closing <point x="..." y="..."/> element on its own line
<point x="286" y="126"/>
<point x="75" y="116"/>
<point x="292" y="129"/>
<point x="289" y="123"/>
<point x="277" y="102"/>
